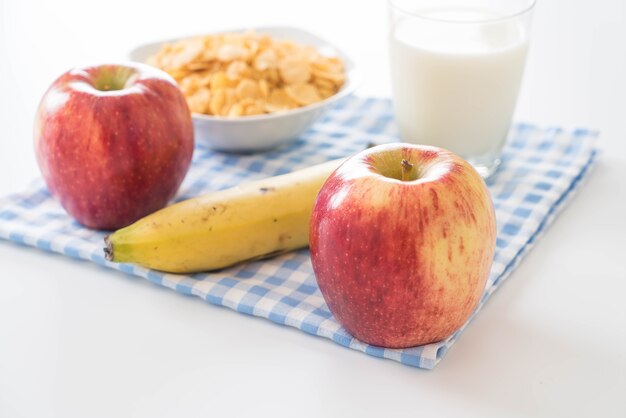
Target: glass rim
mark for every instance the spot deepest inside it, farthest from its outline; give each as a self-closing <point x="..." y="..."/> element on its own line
<point x="525" y="10"/>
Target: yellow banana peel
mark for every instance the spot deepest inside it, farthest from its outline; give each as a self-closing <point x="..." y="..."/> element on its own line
<point x="251" y="221"/>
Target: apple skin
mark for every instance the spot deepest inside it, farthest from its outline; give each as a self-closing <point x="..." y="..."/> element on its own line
<point x="113" y="142"/>
<point x="402" y="263"/>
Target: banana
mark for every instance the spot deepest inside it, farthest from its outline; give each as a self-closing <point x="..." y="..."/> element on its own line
<point x="251" y="221"/>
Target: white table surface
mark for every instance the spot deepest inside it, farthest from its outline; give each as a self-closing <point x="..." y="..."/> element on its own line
<point x="77" y="340"/>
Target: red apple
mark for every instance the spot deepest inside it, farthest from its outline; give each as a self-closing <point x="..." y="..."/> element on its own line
<point x="113" y="142"/>
<point x="402" y="240"/>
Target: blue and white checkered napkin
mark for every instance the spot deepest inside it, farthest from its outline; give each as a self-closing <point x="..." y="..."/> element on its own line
<point x="541" y="169"/>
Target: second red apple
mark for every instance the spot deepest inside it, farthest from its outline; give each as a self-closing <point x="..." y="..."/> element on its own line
<point x="402" y="240"/>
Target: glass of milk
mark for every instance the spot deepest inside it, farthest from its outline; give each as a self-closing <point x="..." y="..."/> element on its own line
<point x="456" y="68"/>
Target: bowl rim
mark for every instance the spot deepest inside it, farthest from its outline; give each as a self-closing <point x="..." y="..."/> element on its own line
<point x="353" y="76"/>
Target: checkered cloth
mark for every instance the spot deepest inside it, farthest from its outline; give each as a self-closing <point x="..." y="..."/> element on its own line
<point x="540" y="171"/>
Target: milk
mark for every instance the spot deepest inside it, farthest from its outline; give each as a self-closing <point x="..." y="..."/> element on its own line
<point x="455" y="81"/>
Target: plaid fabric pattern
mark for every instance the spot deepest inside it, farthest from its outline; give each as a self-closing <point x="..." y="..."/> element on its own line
<point x="541" y="169"/>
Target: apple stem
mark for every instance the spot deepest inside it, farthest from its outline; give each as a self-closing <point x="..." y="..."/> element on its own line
<point x="406" y="170"/>
<point x="111" y="78"/>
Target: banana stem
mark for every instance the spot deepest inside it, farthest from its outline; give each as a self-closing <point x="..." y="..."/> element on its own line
<point x="108" y="249"/>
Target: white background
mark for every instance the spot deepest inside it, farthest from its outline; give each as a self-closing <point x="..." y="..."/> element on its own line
<point x="77" y="340"/>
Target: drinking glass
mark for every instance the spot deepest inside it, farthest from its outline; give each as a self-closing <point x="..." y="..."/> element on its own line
<point x="456" y="68"/>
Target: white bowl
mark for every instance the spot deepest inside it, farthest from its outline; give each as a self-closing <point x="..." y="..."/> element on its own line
<point x="262" y="132"/>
